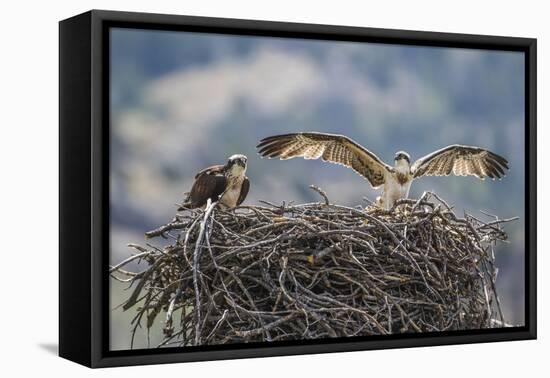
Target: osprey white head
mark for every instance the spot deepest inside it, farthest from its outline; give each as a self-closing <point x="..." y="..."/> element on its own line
<point x="402" y="162"/>
<point x="236" y="165"/>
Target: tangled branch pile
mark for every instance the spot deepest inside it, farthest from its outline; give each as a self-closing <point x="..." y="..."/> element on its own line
<point x="317" y="270"/>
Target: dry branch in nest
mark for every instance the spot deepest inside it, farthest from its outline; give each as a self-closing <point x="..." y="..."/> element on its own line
<point x="316" y="270"/>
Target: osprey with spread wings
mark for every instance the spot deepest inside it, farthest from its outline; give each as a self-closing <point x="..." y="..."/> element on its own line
<point x="395" y="181"/>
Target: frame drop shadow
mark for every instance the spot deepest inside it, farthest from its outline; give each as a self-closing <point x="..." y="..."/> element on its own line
<point x="52" y="348"/>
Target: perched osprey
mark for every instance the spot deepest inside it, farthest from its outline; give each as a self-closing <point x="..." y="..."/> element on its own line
<point x="396" y="180"/>
<point x="226" y="183"/>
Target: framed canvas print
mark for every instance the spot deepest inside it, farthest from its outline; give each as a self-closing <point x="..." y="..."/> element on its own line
<point x="234" y="188"/>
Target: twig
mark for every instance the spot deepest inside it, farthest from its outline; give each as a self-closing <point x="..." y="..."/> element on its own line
<point x="321" y="193"/>
<point x="196" y="261"/>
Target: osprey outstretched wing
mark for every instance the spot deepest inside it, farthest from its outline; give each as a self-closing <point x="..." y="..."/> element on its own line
<point x="333" y="148"/>
<point x="461" y="161"/>
<point x="396" y="181"/>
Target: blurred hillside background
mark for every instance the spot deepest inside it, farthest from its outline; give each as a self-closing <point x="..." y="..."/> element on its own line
<point x="183" y="101"/>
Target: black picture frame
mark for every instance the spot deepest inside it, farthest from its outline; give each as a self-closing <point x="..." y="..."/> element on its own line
<point x="84" y="186"/>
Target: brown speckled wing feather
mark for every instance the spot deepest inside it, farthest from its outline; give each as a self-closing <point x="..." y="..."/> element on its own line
<point x="209" y="183"/>
<point x="333" y="148"/>
<point x="461" y="161"/>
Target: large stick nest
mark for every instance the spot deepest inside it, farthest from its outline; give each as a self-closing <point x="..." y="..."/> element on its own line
<point x="317" y="270"/>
